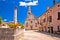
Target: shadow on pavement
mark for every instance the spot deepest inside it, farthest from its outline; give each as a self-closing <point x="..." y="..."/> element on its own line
<point x="50" y="34"/>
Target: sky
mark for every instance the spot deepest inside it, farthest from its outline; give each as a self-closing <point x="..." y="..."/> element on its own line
<point x="7" y="9"/>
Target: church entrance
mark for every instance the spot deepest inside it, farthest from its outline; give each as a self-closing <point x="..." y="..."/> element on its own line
<point x="31" y="27"/>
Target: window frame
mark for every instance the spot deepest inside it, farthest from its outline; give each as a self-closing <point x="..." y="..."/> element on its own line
<point x="58" y="15"/>
<point x="50" y="19"/>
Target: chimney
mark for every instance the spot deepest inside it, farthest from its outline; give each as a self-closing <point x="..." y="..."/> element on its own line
<point x="15" y="15"/>
<point x="48" y="8"/>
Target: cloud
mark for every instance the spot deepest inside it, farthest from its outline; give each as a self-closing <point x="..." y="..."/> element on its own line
<point x="28" y="0"/>
<point x="5" y="19"/>
<point x="22" y="3"/>
<point x="28" y="4"/>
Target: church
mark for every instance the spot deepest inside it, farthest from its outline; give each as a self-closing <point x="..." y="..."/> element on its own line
<point x="30" y="21"/>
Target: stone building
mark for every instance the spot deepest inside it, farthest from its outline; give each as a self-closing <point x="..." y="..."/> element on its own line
<point x="50" y="20"/>
<point x="30" y="21"/>
<point x="42" y="22"/>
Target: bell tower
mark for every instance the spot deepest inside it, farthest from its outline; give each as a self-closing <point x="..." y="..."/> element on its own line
<point x="29" y="10"/>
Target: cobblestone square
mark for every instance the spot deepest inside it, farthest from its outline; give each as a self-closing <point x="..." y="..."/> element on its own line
<point x="34" y="35"/>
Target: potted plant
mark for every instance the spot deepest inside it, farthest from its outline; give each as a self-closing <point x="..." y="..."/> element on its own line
<point x="21" y="25"/>
<point x="11" y="25"/>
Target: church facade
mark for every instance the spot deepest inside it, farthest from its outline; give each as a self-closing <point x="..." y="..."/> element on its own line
<point x="31" y="21"/>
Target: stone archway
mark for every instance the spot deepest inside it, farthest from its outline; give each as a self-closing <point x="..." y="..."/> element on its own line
<point x="31" y="27"/>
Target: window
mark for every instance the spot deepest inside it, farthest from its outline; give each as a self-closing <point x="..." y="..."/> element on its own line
<point x="51" y="10"/>
<point x="31" y="21"/>
<point x="44" y="20"/>
<point x="26" y="24"/>
<point x="38" y="22"/>
<point x="58" y="28"/>
<point x="58" y="5"/>
<point x="50" y="18"/>
<point x="41" y="24"/>
<point x="58" y="15"/>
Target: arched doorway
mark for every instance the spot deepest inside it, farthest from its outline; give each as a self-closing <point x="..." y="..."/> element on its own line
<point x="31" y="27"/>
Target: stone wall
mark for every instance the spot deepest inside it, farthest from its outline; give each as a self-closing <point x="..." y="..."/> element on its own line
<point x="10" y="34"/>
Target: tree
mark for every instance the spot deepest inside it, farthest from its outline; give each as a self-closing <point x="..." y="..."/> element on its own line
<point x="21" y="25"/>
<point x="0" y="20"/>
<point x="11" y="25"/>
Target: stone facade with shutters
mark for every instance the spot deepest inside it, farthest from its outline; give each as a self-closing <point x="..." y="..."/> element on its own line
<point x="31" y="21"/>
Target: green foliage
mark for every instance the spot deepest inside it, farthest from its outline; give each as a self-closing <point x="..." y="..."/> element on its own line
<point x="0" y="20"/>
<point x="11" y="25"/>
<point x="21" y="25"/>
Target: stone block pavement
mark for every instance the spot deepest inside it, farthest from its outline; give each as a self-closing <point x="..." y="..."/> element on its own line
<point x="34" y="35"/>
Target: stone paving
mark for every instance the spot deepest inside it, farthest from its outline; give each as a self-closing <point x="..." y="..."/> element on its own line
<point x="34" y="35"/>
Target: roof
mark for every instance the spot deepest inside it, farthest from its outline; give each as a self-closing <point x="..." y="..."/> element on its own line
<point x="50" y="8"/>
